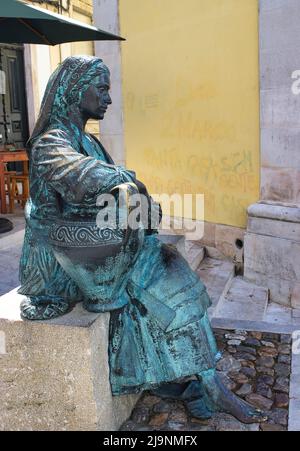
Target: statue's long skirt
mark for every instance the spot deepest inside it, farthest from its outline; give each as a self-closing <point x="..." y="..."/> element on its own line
<point x="144" y="352"/>
<point x="161" y="335"/>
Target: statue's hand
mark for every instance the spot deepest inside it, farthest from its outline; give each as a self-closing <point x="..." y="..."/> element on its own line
<point x="142" y="188"/>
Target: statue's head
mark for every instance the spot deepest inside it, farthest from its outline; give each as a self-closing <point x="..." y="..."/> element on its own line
<point x="95" y="100"/>
<point x="81" y="83"/>
<point x="78" y="87"/>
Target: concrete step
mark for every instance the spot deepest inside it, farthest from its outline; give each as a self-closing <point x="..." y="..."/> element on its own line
<point x="191" y="251"/>
<point x="216" y="276"/>
<point x="243" y="301"/>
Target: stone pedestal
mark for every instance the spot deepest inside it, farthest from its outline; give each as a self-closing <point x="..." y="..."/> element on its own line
<point x="272" y="251"/>
<point x="54" y="375"/>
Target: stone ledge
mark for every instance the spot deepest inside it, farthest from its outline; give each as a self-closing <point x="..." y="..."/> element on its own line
<point x="54" y="375"/>
<point x="275" y="211"/>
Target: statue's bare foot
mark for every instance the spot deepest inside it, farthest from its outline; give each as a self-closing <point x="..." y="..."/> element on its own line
<point x="226" y="401"/>
<point x="44" y="311"/>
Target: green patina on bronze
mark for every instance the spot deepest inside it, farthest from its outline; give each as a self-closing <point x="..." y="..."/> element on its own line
<point x="159" y="328"/>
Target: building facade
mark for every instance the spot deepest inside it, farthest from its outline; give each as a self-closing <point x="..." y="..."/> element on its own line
<point x="28" y="68"/>
<point x="206" y="100"/>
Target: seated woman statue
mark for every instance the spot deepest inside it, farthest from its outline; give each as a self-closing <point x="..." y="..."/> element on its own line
<point x="159" y="329"/>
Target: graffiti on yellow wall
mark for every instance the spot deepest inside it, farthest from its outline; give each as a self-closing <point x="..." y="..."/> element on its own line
<point x="191" y="100"/>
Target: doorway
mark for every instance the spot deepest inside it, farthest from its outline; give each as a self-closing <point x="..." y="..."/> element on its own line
<point x="13" y="110"/>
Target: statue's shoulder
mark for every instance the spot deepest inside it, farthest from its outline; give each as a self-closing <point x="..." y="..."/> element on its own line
<point x="52" y="138"/>
<point x="53" y="135"/>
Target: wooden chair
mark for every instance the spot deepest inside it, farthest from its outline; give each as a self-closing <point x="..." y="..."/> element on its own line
<point x="7" y="180"/>
<point x="14" y="194"/>
<point x="12" y="178"/>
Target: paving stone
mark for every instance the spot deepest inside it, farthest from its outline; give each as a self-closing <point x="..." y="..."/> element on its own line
<point x="278" y="416"/>
<point x="245" y="390"/>
<point x="201" y="421"/>
<point x="264" y="390"/>
<point x="162" y="407"/>
<point x="281" y="400"/>
<point x="268" y="380"/>
<point x="284" y="349"/>
<point x="244" y="333"/>
<point x="282" y="370"/>
<point x="267" y="362"/>
<point x="264" y="370"/>
<point x="256" y="335"/>
<point x="282" y="385"/>
<point x="225" y="422"/>
<point x="150" y="401"/>
<point x="286" y="339"/>
<point x="176" y="426"/>
<point x="272" y="427"/>
<point x="247" y="349"/>
<point x="236" y="337"/>
<point x="268" y="344"/>
<point x="159" y="419"/>
<point x="234" y="342"/>
<point x="247" y="364"/>
<point x="140" y="415"/>
<point x="128" y="426"/>
<point x="239" y="378"/>
<point x="143" y="428"/>
<point x="286" y="359"/>
<point x="260" y="401"/>
<point x="249" y="372"/>
<point x="198" y="427"/>
<point x="271" y="336"/>
<point x="245" y="356"/>
<point x="251" y="341"/>
<point x="178" y="415"/>
<point x="222" y="332"/>
<point x="268" y="352"/>
<point x="228" y="364"/>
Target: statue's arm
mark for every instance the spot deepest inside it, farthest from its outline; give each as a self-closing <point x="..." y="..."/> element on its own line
<point x="78" y="179"/>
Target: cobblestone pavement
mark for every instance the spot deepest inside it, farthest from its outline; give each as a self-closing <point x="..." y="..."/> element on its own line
<point x="256" y="366"/>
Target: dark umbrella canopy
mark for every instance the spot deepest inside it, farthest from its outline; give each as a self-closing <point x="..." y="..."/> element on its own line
<point x="23" y="23"/>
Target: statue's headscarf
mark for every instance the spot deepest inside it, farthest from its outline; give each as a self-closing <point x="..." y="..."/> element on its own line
<point x="64" y="90"/>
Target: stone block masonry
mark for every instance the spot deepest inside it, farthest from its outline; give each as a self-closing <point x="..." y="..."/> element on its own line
<point x="54" y="375"/>
<point x="84" y="6"/>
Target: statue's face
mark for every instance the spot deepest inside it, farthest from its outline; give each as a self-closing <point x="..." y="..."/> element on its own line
<point x="96" y="98"/>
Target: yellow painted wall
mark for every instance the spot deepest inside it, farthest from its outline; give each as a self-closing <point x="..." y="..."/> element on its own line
<point x="191" y="100"/>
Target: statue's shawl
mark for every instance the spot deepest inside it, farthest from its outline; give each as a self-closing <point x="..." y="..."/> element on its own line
<point x="63" y="94"/>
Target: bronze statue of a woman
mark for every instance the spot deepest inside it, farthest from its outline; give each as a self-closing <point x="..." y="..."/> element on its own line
<point x="159" y="328"/>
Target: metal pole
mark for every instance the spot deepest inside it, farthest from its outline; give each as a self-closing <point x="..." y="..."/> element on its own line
<point x="3" y="105"/>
